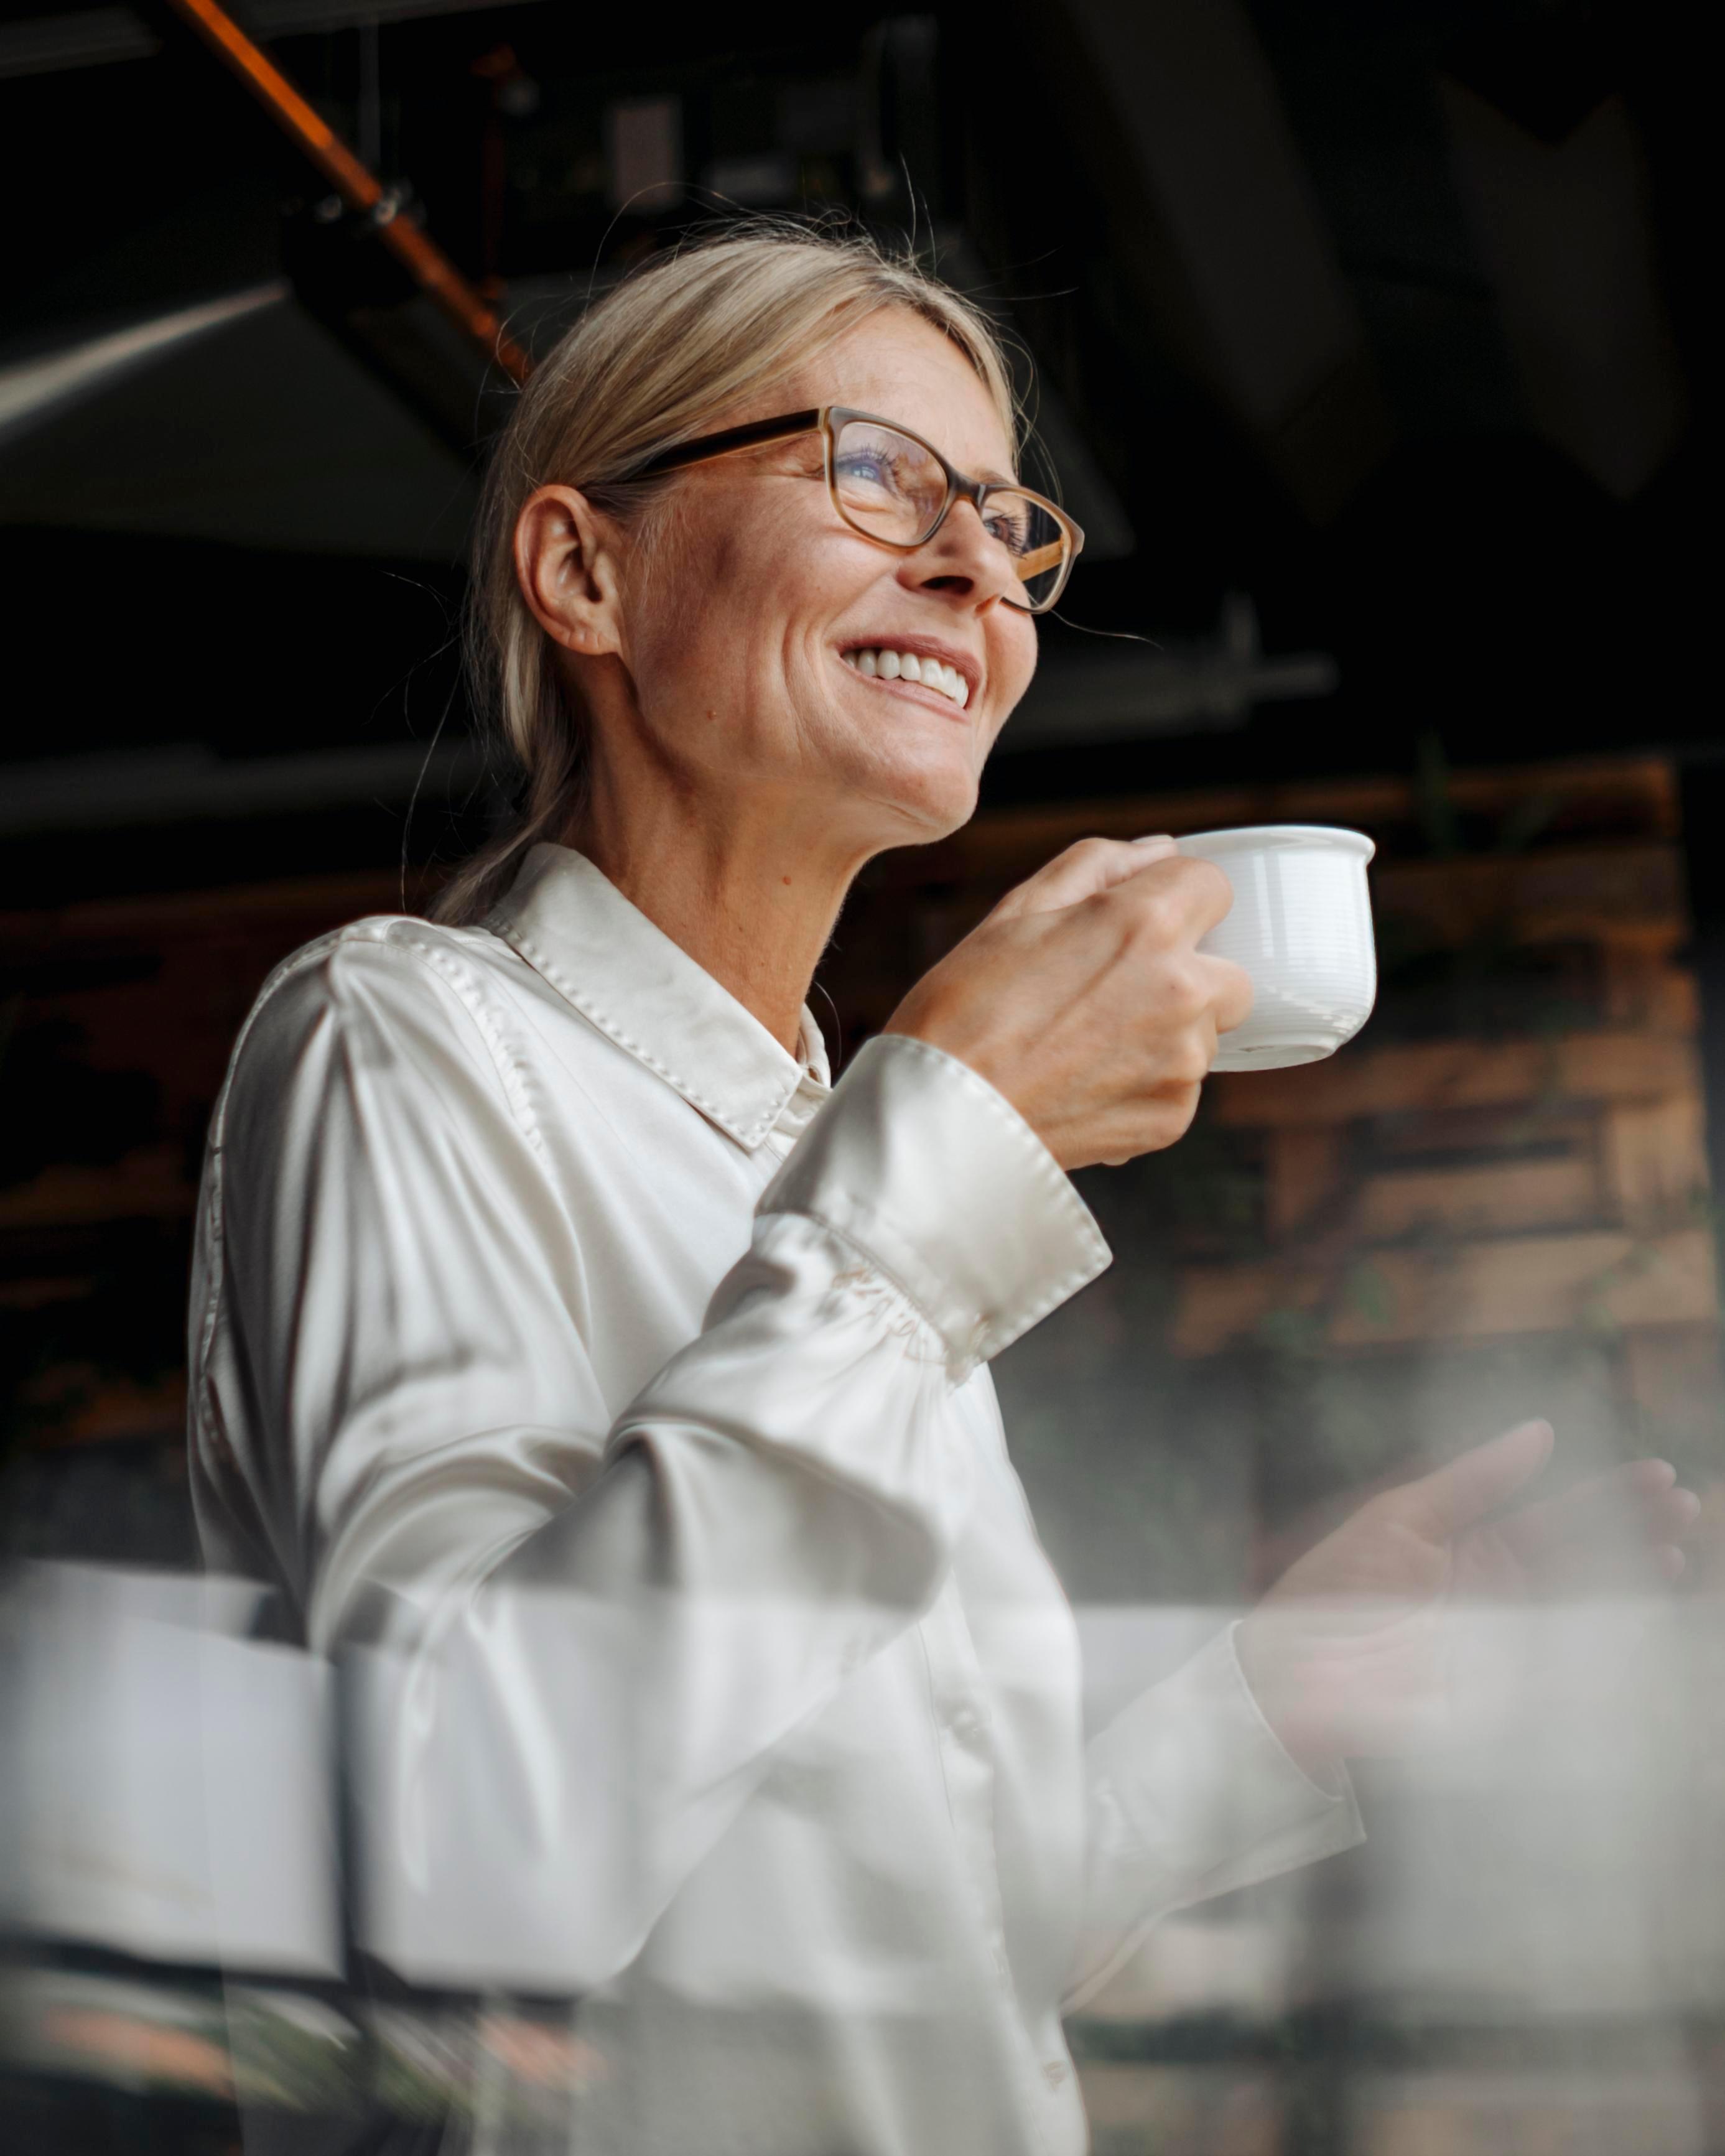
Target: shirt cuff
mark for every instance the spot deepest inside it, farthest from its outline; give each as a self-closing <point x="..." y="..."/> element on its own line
<point x="939" y="1182"/>
<point x="1260" y="1793"/>
<point x="1192" y="1776"/>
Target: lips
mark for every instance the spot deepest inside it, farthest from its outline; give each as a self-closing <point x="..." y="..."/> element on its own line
<point x="887" y="663"/>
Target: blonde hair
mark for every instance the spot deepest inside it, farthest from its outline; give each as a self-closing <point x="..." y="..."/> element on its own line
<point x="666" y="356"/>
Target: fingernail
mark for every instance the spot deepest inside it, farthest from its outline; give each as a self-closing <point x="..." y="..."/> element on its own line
<point x="1156" y="839"/>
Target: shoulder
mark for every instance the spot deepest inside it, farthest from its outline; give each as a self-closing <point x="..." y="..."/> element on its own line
<point x="390" y="993"/>
<point x="388" y="965"/>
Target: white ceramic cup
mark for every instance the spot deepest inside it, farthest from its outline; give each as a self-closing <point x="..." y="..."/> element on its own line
<point x="1300" y="925"/>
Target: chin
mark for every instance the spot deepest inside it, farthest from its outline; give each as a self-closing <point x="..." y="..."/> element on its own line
<point x="934" y="801"/>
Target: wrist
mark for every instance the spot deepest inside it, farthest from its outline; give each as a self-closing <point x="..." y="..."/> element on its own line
<point x="927" y="1017"/>
<point x="1286" y="1694"/>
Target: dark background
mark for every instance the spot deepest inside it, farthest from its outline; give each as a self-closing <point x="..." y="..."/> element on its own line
<point x="1391" y="317"/>
<point x="1369" y="340"/>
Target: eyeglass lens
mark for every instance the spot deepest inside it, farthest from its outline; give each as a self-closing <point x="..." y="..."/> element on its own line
<point x="888" y="485"/>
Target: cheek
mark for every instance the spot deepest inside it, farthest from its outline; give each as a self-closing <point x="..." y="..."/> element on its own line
<point x="1012" y="662"/>
<point x="744" y="587"/>
<point x="683" y="607"/>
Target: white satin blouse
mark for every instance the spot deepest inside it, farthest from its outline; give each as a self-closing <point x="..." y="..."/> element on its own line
<point x="612" y="1393"/>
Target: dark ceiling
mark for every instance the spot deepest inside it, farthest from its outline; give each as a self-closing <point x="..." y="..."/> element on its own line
<point x="1389" y="315"/>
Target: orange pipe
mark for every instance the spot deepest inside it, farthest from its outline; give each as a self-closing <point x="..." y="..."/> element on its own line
<point x="422" y="258"/>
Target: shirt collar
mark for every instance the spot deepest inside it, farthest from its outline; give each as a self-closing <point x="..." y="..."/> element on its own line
<point x="578" y="933"/>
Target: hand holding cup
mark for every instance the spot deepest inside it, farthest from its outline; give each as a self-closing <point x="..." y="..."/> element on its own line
<point x="1086" y="999"/>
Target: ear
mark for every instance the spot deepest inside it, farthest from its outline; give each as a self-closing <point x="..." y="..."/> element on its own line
<point x="566" y="564"/>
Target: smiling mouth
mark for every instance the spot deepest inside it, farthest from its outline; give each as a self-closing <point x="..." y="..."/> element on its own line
<point x="887" y="665"/>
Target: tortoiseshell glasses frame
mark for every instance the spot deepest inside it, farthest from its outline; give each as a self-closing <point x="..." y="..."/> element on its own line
<point x="1043" y="540"/>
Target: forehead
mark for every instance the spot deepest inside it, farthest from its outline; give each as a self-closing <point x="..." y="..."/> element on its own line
<point x="903" y="368"/>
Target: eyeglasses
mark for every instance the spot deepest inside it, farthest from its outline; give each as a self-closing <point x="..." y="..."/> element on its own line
<point x="892" y="486"/>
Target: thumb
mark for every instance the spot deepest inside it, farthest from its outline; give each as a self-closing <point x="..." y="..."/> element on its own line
<point x="1455" y="1496"/>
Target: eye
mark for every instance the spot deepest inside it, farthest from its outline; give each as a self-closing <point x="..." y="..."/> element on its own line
<point x="867" y="467"/>
<point x="1009" y="522"/>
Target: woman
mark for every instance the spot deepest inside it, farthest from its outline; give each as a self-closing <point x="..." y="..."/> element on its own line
<point x="617" y="1390"/>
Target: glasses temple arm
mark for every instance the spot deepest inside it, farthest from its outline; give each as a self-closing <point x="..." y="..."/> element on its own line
<point x="1042" y="557"/>
<point x="706" y="446"/>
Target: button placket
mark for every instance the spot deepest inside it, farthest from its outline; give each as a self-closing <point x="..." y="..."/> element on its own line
<point x="967" y="1765"/>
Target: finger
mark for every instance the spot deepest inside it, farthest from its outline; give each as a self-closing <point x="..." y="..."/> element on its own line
<point x="1084" y="871"/>
<point x="1620" y="1556"/>
<point x="1231" y="1002"/>
<point x="1647" y="1479"/>
<point x="1638" y="1502"/>
<point x="1455" y="1496"/>
<point x="1178" y="898"/>
<point x="1690" y="1504"/>
<point x="1581" y="1509"/>
<point x="1670" y="1517"/>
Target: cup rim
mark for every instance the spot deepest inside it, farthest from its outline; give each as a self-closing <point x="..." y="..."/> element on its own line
<point x="1268" y="838"/>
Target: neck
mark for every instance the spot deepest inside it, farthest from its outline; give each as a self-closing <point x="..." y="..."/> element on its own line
<point x="750" y="893"/>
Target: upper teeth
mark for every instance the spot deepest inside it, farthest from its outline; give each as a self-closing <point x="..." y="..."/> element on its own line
<point x="907" y="666"/>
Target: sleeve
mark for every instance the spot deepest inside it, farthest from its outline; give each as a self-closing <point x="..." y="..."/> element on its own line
<point x="1190" y="1794"/>
<point x="595" y="1632"/>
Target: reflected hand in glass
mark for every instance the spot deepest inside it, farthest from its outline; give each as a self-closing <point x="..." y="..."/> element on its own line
<point x="1361" y="1648"/>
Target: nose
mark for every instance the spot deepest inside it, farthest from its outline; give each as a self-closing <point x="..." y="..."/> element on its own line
<point x="962" y="559"/>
